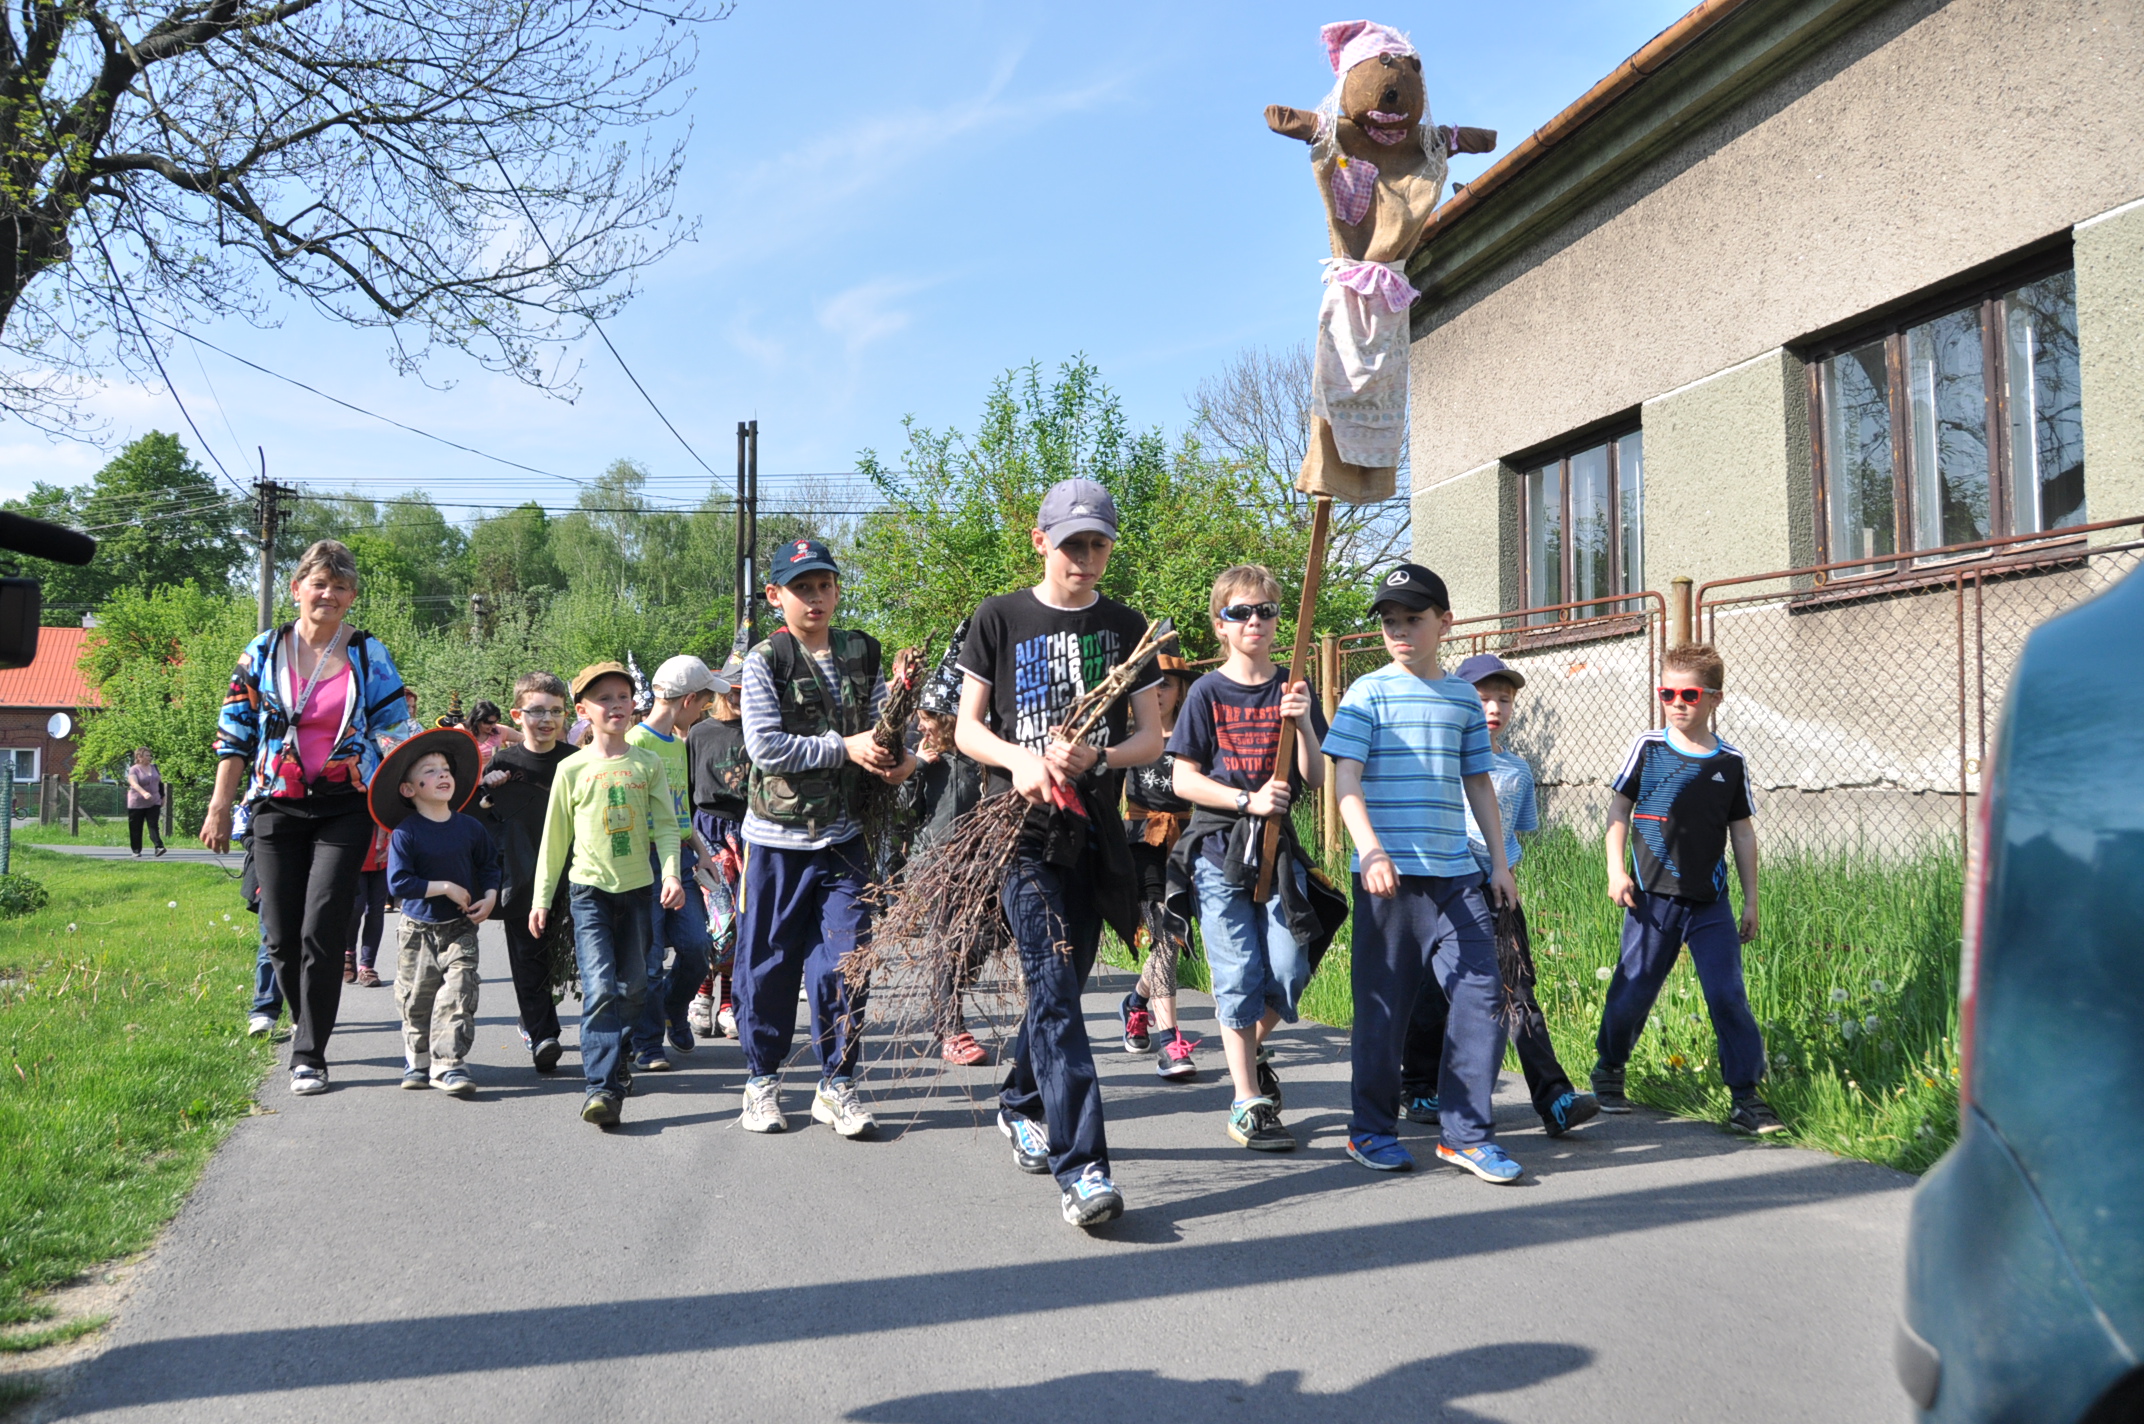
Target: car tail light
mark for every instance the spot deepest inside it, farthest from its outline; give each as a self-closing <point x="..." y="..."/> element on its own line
<point x="1979" y="855"/>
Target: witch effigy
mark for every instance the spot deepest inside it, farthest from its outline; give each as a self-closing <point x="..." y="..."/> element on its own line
<point x="1379" y="164"/>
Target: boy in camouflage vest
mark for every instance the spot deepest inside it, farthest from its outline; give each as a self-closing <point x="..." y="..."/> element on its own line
<point x="811" y="694"/>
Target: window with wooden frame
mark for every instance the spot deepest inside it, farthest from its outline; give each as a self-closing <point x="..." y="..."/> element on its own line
<point x="1952" y="427"/>
<point x="1584" y="517"/>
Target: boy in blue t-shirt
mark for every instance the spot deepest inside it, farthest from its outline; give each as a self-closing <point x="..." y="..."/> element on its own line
<point x="1561" y="1106"/>
<point x="1686" y="795"/>
<point x="1410" y="749"/>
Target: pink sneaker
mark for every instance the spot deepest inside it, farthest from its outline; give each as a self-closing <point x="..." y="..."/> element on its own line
<point x="1175" y="1057"/>
<point x="1138" y="1026"/>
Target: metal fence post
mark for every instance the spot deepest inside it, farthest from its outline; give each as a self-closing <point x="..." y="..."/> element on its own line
<point x="1679" y="611"/>
<point x="74" y="809"/>
<point x="7" y="799"/>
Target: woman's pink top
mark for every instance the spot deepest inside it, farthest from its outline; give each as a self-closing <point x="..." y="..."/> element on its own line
<point x="321" y="722"/>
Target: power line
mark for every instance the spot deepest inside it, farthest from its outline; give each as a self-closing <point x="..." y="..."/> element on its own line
<point x="537" y="228"/>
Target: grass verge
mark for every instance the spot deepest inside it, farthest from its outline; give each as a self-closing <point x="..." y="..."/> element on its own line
<point x="1854" y="979"/>
<point x="122" y="1014"/>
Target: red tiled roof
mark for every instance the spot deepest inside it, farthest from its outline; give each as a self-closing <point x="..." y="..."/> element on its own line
<point x="52" y="680"/>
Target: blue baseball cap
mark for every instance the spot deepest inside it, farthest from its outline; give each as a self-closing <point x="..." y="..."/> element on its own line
<point x="800" y="556"/>
<point x="1076" y="507"/>
<point x="1486" y="665"/>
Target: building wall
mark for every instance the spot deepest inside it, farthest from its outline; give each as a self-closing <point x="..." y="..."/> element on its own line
<point x="1472" y="519"/>
<point x="25" y="727"/>
<point x="1929" y="139"/>
<point x="2110" y="358"/>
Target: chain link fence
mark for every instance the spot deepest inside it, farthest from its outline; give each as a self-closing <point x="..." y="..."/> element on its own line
<point x="1864" y="695"/>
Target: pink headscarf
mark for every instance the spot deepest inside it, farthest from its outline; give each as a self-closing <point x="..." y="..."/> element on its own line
<point x="1350" y="42"/>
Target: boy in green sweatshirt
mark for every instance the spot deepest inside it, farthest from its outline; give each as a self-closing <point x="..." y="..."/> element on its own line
<point x="607" y="801"/>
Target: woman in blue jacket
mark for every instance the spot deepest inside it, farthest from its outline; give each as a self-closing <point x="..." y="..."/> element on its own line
<point x="311" y="708"/>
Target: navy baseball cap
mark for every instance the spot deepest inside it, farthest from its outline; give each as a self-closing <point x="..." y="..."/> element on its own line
<point x="1076" y="507"/>
<point x="800" y="556"/>
<point x="1485" y="665"/>
<point x="1411" y="587"/>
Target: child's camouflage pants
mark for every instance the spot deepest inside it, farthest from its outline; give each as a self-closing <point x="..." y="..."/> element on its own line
<point x="436" y="989"/>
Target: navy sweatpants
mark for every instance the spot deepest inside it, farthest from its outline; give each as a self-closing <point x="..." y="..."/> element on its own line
<point x="1436" y="925"/>
<point x="1051" y="1075"/>
<point x="803" y="910"/>
<point x="1653" y="934"/>
<point x="1423" y="1060"/>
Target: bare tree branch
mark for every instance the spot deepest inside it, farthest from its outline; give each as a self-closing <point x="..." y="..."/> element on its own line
<point x="227" y="153"/>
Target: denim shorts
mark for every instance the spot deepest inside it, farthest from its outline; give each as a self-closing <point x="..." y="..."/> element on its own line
<point x="1256" y="964"/>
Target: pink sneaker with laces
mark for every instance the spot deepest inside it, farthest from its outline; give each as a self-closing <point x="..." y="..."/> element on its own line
<point x="1138" y="1025"/>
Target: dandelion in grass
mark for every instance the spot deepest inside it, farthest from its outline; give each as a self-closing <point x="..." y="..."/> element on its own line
<point x="227" y="918"/>
<point x="171" y="904"/>
<point x="1848" y="1029"/>
<point x="70" y="929"/>
<point x="1871" y="1024"/>
<point x="1889" y="1045"/>
<point x="1675" y="1060"/>
<point x="1838" y="996"/>
<point x="1879" y="986"/>
<point x="1604" y="974"/>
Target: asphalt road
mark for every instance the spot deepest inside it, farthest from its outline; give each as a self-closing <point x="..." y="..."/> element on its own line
<point x="380" y="1255"/>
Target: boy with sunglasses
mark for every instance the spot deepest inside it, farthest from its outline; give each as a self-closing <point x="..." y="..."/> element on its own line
<point x="1410" y="750"/>
<point x="1224" y="747"/>
<point x="1686" y="794"/>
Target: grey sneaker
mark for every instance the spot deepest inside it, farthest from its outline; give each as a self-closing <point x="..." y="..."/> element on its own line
<point x="456" y="1083"/>
<point x="762" y="1106"/>
<point x="545" y="1055"/>
<point x="307" y="1081"/>
<point x="416" y="1079"/>
<point x="701" y="1015"/>
<point x="837" y="1104"/>
<point x="1093" y="1199"/>
<point x="1608" y="1089"/>
<point x="600" y="1108"/>
<point x="1752" y="1116"/>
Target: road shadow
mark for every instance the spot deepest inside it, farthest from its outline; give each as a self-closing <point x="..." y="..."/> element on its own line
<point x="1421" y="1390"/>
<point x="214" y="1365"/>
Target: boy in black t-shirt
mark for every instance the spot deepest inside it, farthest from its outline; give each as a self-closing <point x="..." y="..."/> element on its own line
<point x="516" y="792"/>
<point x="1029" y="656"/>
<point x="1225" y="745"/>
<point x="1686" y="795"/>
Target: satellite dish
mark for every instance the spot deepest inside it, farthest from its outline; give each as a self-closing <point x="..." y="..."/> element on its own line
<point x="59" y="726"/>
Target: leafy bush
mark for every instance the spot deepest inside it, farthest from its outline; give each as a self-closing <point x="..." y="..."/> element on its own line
<point x="20" y="895"/>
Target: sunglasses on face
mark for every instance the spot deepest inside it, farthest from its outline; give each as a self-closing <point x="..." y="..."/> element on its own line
<point x="1245" y="612"/>
<point x="1690" y="695"/>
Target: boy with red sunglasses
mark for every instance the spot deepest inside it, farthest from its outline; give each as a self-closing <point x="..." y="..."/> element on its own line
<point x="1686" y="795"/>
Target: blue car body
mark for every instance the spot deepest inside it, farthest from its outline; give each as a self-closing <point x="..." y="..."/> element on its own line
<point x="2025" y="1257"/>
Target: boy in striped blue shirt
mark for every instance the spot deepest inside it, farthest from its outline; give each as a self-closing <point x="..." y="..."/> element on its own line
<point x="1410" y="750"/>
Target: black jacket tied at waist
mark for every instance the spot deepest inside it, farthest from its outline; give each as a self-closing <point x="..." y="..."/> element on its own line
<point x="1313" y="910"/>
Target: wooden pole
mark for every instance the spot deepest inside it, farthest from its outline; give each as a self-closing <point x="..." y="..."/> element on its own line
<point x="1329" y="797"/>
<point x="1321" y="520"/>
<point x="1679" y="611"/>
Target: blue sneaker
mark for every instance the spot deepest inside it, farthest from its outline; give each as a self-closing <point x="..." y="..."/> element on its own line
<point x="1418" y="1105"/>
<point x="681" y="1037"/>
<point x="1030" y="1142"/>
<point x="1380" y="1152"/>
<point x="1569" y="1111"/>
<point x="1487" y="1162"/>
<point x="1093" y="1199"/>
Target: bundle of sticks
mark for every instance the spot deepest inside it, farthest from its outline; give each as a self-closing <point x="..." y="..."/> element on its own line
<point x="881" y="817"/>
<point x="938" y="921"/>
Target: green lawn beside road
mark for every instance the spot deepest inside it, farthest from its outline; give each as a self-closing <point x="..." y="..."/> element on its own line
<point x="122" y="1017"/>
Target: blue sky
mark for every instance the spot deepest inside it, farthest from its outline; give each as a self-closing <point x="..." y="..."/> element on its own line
<point x="896" y="204"/>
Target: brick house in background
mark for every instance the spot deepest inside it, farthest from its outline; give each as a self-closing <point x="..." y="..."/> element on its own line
<point x="30" y="695"/>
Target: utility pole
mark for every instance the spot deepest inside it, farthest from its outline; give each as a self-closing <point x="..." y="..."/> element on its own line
<point x="747" y="565"/>
<point x="268" y="510"/>
<point x="742" y="601"/>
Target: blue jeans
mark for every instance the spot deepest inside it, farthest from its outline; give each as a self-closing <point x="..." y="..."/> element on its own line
<point x="1653" y="934"/>
<point x="267" y="993"/>
<point x="1050" y="1074"/>
<point x="670" y="990"/>
<point x="610" y="938"/>
<point x="803" y="911"/>
<point x="1437" y="925"/>
<point x="1256" y="964"/>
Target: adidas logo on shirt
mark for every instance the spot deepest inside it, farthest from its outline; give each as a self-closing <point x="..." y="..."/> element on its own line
<point x="1717" y="777"/>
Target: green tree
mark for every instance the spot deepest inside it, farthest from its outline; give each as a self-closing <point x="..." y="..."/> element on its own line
<point x="962" y="507"/>
<point x="510" y="554"/>
<point x="162" y="661"/>
<point x="159" y="519"/>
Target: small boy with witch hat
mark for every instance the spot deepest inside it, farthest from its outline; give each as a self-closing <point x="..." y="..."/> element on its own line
<point x="444" y="869"/>
<point x="1029" y="657"/>
<point x="609" y="801"/>
<point x="811" y="694"/>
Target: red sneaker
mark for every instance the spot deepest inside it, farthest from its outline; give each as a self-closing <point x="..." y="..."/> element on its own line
<point x="962" y="1049"/>
<point x="1174" y="1060"/>
<point x="1138" y="1024"/>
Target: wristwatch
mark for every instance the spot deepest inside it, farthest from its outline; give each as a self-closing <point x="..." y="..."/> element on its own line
<point x="1101" y="762"/>
<point x="1243" y="802"/>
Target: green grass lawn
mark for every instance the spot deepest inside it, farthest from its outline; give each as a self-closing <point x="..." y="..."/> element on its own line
<point x="107" y="833"/>
<point x="1854" y="979"/>
<point x="122" y="1016"/>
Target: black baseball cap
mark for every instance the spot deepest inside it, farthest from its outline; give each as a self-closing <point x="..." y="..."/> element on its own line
<point x="1411" y="587"/>
<point x="801" y="556"/>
